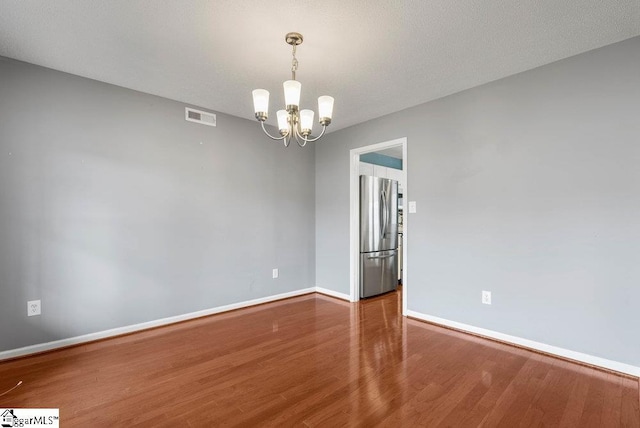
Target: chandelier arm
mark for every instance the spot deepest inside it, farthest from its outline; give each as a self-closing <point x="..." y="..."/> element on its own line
<point x="300" y="136"/>
<point x="306" y="140"/>
<point x="296" y="135"/>
<point x="271" y="136"/>
<point x="303" y="144"/>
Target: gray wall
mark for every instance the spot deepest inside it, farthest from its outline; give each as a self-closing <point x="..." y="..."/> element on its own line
<point x="528" y="187"/>
<point x="113" y="212"/>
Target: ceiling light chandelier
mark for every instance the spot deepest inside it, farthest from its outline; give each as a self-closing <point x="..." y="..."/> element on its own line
<point x="293" y="122"/>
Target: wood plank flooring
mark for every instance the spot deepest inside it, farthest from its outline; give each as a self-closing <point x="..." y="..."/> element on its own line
<point x="318" y="362"/>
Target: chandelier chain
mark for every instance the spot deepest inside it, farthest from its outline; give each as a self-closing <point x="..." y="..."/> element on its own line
<point x="294" y="64"/>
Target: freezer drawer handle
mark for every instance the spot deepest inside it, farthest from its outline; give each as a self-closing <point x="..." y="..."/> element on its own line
<point x="381" y="257"/>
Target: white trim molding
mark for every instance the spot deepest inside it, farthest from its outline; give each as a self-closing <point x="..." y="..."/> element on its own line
<point x="42" y="347"/>
<point x="526" y="343"/>
<point x="332" y="293"/>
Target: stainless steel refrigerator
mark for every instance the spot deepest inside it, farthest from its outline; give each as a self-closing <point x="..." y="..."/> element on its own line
<point x="378" y="235"/>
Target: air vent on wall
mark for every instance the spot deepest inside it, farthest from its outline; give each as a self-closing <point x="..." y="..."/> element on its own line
<point x="193" y="115"/>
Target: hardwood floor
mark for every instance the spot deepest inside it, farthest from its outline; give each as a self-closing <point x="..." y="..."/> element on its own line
<point x="316" y="361"/>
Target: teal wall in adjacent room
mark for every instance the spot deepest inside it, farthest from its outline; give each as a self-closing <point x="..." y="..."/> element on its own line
<point x="382" y="160"/>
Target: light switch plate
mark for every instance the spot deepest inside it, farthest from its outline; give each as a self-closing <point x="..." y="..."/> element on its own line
<point x="412" y="207"/>
<point x="275" y="273"/>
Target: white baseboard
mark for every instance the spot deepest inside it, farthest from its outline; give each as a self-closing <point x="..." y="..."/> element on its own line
<point x="573" y="355"/>
<point x="332" y="293"/>
<point x="41" y="347"/>
<point x="549" y="349"/>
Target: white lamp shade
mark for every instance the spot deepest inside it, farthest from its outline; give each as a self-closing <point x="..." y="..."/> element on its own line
<point x="261" y="100"/>
<point x="283" y="125"/>
<point x="292" y="90"/>
<point x="325" y="107"/>
<point x="306" y="119"/>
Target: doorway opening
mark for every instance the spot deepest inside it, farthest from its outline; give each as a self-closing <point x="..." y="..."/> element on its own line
<point x="391" y="148"/>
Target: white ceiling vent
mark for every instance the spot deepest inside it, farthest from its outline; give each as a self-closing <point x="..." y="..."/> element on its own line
<point x="198" y="116"/>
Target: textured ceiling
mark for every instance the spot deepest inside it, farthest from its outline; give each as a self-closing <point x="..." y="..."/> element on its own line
<point x="374" y="57"/>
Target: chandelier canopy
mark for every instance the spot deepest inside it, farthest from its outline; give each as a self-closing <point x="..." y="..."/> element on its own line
<point x="293" y="122"/>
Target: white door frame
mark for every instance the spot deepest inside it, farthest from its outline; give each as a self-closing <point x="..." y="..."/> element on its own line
<point x="354" y="215"/>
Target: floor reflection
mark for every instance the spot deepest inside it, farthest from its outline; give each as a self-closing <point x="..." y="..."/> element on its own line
<point x="379" y="352"/>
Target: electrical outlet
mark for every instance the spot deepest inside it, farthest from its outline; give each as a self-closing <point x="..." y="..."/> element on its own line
<point x="33" y="308"/>
<point x="486" y="297"/>
<point x="275" y="273"/>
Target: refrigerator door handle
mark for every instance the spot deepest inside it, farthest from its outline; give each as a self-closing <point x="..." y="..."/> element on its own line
<point x="385" y="213"/>
<point x="380" y="257"/>
<point x="381" y="218"/>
